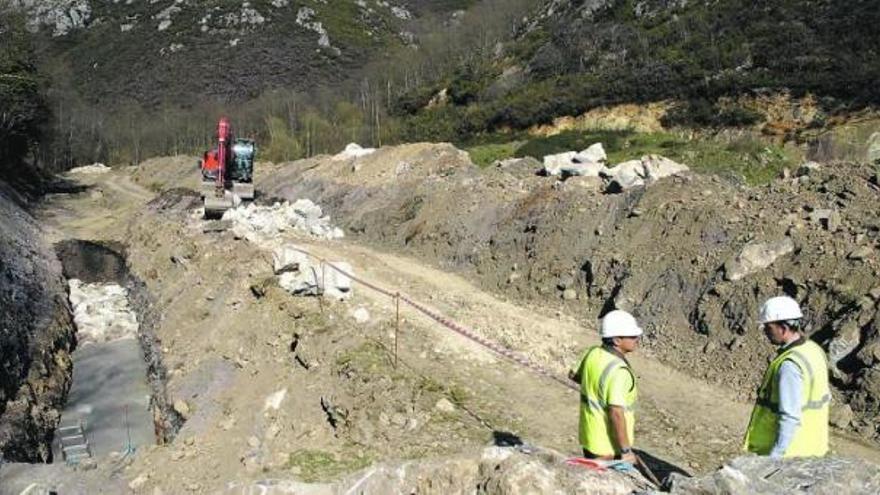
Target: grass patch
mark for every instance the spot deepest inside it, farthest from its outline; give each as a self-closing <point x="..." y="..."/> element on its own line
<point x="751" y="159"/>
<point x="486" y="154"/>
<point x="369" y="357"/>
<point x="319" y="465"/>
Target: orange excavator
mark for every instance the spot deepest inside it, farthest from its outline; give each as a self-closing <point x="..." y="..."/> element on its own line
<point x="227" y="172"/>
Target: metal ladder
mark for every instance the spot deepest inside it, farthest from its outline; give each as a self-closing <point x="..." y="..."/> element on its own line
<point x="73" y="442"/>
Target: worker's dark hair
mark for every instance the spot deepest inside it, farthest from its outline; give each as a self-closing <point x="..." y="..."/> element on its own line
<point x="608" y="341"/>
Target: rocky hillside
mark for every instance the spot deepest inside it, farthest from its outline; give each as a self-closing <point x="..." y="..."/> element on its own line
<point x="572" y="56"/>
<point x="184" y="51"/>
<point x="36" y="336"/>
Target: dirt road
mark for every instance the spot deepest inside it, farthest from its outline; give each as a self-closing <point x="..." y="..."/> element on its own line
<point x="681" y="418"/>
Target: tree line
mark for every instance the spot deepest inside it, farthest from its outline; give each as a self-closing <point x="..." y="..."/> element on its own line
<point x="287" y="124"/>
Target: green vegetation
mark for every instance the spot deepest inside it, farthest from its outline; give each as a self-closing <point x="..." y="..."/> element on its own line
<point x="319" y="465"/>
<point x="486" y="154"/>
<point x="696" y="52"/>
<point x="370" y="357"/>
<point x="749" y="159"/>
<point x="23" y="110"/>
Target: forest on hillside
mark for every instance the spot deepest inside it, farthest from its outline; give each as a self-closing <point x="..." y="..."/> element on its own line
<point x="501" y="66"/>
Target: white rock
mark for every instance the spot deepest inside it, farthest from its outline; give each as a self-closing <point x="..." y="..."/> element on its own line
<point x="755" y="257"/>
<point x="274" y="401"/>
<point x="139" y="482"/>
<point x="287" y="258"/>
<point x="554" y="163"/>
<point x="101" y="312"/>
<point x="625" y="176"/>
<point x="260" y="224"/>
<point x="361" y="315"/>
<point x="594" y="154"/>
<point x="657" y="167"/>
<point x="337" y="285"/>
<point x="353" y="150"/>
<point x="95" y="168"/>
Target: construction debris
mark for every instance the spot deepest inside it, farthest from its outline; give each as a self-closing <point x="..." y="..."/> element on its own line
<point x="260" y="223"/>
<point x="101" y="312"/>
<point x="300" y="275"/>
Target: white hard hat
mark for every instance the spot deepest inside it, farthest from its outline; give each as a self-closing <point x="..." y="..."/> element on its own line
<point x="619" y="323"/>
<point x="781" y="308"/>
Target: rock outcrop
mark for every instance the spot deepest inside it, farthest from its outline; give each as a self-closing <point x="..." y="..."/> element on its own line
<point x="496" y="470"/>
<point x="765" y="476"/>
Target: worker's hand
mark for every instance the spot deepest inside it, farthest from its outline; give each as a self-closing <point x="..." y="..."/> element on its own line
<point x="629" y="457"/>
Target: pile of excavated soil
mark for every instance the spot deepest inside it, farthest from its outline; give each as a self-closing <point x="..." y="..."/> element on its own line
<point x="673" y="253"/>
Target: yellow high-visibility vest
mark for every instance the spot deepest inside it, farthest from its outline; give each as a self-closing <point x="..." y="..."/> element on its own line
<point x="595" y="429"/>
<point x="811" y="437"/>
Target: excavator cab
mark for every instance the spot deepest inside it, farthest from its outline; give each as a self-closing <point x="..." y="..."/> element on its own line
<point x="227" y="172"/>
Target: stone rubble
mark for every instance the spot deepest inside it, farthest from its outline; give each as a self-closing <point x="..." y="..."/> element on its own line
<point x="591" y="162"/>
<point x="300" y="275"/>
<point x="101" y="312"/>
<point x="261" y="223"/>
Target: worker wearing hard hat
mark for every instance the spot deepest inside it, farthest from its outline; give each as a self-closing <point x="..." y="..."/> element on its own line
<point x="608" y="390"/>
<point x="790" y="418"/>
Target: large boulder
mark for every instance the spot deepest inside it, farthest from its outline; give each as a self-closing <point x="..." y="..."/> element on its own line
<point x="658" y="167"/>
<point x="553" y="163"/>
<point x="641" y="172"/>
<point x="623" y="176"/>
<point x="756" y="256"/>
<point x="594" y="154"/>
<point x="300" y="275"/>
<point x="766" y="476"/>
<point x="583" y="169"/>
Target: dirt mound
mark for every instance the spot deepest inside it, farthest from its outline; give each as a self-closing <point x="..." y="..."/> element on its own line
<point x="663" y="252"/>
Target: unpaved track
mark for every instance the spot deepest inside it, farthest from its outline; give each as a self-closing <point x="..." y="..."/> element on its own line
<point x="681" y="418"/>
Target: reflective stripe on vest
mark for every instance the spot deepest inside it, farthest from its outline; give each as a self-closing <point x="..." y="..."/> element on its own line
<point x="804" y="364"/>
<point x="811" y="436"/>
<point x="603" y="378"/>
<point x="595" y="431"/>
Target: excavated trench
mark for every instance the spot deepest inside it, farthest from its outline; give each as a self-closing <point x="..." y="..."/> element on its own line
<point x="118" y="397"/>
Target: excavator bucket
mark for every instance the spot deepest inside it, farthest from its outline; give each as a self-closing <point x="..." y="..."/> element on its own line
<point x="244" y="190"/>
<point x="216" y="205"/>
